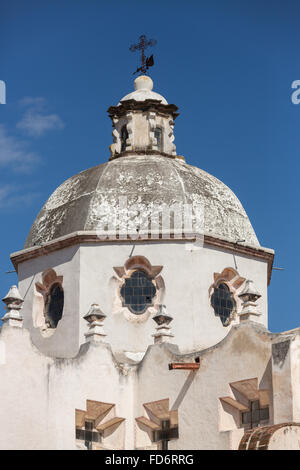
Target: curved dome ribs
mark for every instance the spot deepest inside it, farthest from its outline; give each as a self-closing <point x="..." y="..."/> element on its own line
<point x="81" y="202"/>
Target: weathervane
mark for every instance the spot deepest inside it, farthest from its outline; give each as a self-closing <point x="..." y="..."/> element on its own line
<point x="141" y="46"/>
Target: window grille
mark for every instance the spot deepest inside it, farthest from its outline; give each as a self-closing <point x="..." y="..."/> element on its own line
<point x="137" y="292"/>
<point x="223" y="303"/>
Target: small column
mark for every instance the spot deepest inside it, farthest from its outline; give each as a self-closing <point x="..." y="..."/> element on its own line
<point x="95" y="318"/>
<point x="163" y="330"/>
<point x="249" y="297"/>
<point x="14" y="303"/>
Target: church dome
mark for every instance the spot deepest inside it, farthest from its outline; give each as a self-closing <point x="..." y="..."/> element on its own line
<point x="146" y="180"/>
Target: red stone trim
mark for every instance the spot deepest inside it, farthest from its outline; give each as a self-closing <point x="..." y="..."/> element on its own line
<point x="77" y="238"/>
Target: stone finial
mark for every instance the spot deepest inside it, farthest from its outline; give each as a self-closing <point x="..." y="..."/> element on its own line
<point x="143" y="82"/>
<point x="14" y="303"/>
<point x="249" y="296"/>
<point x="163" y="330"/>
<point x="95" y="318"/>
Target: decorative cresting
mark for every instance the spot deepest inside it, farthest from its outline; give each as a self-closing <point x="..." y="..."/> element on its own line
<point x="95" y="318"/>
<point x="14" y="303"/>
<point x="140" y="285"/>
<point x="222" y="294"/>
<point x="142" y="112"/>
<point x="98" y="427"/>
<point x="163" y="330"/>
<point x="283" y="436"/>
<point x="249" y="296"/>
<point x="248" y="404"/>
<point x="159" y="422"/>
<point x="52" y="295"/>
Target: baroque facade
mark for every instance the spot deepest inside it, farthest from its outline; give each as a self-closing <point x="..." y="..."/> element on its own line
<point x="140" y="320"/>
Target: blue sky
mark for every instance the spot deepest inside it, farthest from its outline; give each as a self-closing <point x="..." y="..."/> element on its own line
<point x="228" y="66"/>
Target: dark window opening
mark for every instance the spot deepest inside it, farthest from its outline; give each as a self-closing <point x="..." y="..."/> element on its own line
<point x="165" y="434"/>
<point x="158" y="136"/>
<point x="54" y="306"/>
<point x="137" y="292"/>
<point x="256" y="414"/>
<point x="124" y="137"/>
<point x="223" y="303"/>
<point x="88" y="435"/>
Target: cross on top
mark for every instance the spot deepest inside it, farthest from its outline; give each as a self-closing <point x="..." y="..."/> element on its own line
<point x="141" y="46"/>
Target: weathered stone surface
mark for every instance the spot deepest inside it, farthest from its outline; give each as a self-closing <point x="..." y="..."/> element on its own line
<point x="82" y="201"/>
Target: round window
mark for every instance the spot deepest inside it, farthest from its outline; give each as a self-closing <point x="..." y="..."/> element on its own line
<point x="137" y="292"/>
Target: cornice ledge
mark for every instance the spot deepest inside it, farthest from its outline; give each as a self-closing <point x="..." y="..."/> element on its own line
<point x="79" y="237"/>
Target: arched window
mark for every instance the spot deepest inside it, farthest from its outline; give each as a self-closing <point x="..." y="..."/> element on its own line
<point x="223" y="303"/>
<point x="124" y="137"/>
<point x="54" y="305"/>
<point x="137" y="292"/>
<point x="159" y="139"/>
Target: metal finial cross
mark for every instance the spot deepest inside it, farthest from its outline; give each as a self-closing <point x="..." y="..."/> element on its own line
<point x="141" y="46"/>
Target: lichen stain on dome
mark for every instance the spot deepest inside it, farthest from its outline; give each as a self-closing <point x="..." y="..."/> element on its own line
<point x="85" y="200"/>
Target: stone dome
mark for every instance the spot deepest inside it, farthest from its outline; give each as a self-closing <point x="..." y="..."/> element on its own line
<point x="81" y="201"/>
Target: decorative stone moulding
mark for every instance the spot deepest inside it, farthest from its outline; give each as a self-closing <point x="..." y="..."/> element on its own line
<point x="163" y="331"/>
<point x="95" y="318"/>
<point x="249" y="297"/>
<point x="141" y="117"/>
<point x="143" y="106"/>
<point x="130" y="130"/>
<point x="152" y="124"/>
<point x="230" y="276"/>
<point x="132" y="264"/>
<point x="14" y="303"/>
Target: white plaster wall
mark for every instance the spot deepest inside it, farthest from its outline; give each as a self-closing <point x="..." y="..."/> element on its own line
<point x="187" y="276"/>
<point x="282" y="380"/>
<point x="65" y="340"/>
<point x="295" y="375"/>
<point x="243" y="354"/>
<point x="24" y="391"/>
<point x="89" y="277"/>
<point x="287" y="438"/>
<point x="40" y="394"/>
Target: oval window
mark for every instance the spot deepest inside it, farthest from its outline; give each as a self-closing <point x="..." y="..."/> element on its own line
<point x="54" y="306"/>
